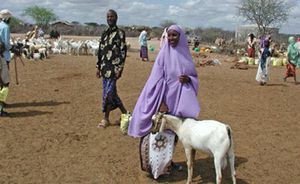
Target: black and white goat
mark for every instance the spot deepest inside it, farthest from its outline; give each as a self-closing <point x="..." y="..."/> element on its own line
<point x="210" y="136"/>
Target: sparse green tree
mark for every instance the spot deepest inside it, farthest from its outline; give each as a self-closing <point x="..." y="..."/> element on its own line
<point x="15" y="23"/>
<point x="42" y="16"/>
<point x="167" y="23"/>
<point x="265" y="13"/>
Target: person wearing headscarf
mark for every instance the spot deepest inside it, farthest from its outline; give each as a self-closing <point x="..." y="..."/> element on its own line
<point x="251" y="45"/>
<point x="111" y="60"/>
<point x="172" y="85"/>
<point x="293" y="57"/>
<point x="5" y="17"/>
<point x="262" y="75"/>
<point x="143" y="46"/>
<point x="263" y="40"/>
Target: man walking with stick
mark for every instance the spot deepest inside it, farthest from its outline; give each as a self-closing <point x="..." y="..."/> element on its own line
<point x="5" y="17"/>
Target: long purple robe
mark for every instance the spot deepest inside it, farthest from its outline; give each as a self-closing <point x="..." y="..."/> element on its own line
<point x="163" y="85"/>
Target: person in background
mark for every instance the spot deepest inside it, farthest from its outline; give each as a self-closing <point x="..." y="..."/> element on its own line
<point x="54" y="34"/>
<point x="196" y="43"/>
<point x="111" y="60"/>
<point x="163" y="38"/>
<point x="298" y="43"/>
<point x="263" y="40"/>
<point x="251" y="41"/>
<point x="293" y="57"/>
<point x="57" y="34"/>
<point x="172" y="86"/>
<point x="143" y="46"/>
<point x="5" y="17"/>
<point x="41" y="33"/>
<point x="262" y="75"/>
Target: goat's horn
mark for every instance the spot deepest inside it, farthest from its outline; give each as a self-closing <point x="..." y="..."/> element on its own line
<point x="162" y="126"/>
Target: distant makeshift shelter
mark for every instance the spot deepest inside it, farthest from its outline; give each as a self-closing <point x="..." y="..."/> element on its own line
<point x="63" y="27"/>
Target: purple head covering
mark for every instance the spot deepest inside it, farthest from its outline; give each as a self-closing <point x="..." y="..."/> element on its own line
<point x="266" y="43"/>
<point x="163" y="85"/>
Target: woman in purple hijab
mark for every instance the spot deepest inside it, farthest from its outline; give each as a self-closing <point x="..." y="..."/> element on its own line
<point x="172" y="85"/>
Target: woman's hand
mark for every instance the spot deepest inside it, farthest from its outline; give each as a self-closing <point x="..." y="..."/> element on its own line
<point x="184" y="79"/>
<point x="163" y="107"/>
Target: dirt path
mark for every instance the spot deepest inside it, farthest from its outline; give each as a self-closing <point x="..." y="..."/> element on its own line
<point x="51" y="134"/>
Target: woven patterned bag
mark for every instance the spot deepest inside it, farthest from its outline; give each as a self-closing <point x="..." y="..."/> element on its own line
<point x="156" y="152"/>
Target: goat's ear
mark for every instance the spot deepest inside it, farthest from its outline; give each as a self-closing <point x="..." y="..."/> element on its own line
<point x="154" y="117"/>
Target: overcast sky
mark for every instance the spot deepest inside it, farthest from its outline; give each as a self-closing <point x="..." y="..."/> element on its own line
<point x="187" y="13"/>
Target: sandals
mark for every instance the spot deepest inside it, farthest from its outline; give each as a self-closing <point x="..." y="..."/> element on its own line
<point x="103" y="124"/>
<point x="284" y="79"/>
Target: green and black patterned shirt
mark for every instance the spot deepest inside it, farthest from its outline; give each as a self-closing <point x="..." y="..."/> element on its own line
<point x="112" y="52"/>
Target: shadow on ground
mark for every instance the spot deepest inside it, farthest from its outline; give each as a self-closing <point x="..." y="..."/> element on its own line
<point x="27" y="114"/>
<point x="34" y="104"/>
<point x="204" y="172"/>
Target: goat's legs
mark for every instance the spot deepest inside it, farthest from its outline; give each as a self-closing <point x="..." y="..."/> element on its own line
<point x="218" y="161"/>
<point x="189" y="157"/>
<point x="193" y="153"/>
<point x="193" y="159"/>
<point x="231" y="163"/>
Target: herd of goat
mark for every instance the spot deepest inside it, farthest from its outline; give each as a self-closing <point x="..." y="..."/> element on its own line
<point x="40" y="48"/>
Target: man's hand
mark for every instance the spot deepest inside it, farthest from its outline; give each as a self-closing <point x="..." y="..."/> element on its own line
<point x="118" y="74"/>
<point x="98" y="74"/>
<point x="184" y="79"/>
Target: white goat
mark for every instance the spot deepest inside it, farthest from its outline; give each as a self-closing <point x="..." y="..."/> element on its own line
<point x="210" y="136"/>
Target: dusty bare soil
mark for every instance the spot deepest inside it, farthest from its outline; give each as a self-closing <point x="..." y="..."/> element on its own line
<point x="51" y="134"/>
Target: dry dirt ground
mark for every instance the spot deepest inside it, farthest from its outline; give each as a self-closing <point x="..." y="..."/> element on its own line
<point x="51" y="134"/>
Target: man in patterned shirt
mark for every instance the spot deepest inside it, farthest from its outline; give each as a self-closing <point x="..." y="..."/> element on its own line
<point x="111" y="59"/>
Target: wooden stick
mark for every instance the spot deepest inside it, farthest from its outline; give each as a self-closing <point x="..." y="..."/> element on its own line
<point x="20" y="57"/>
<point x="16" y="71"/>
